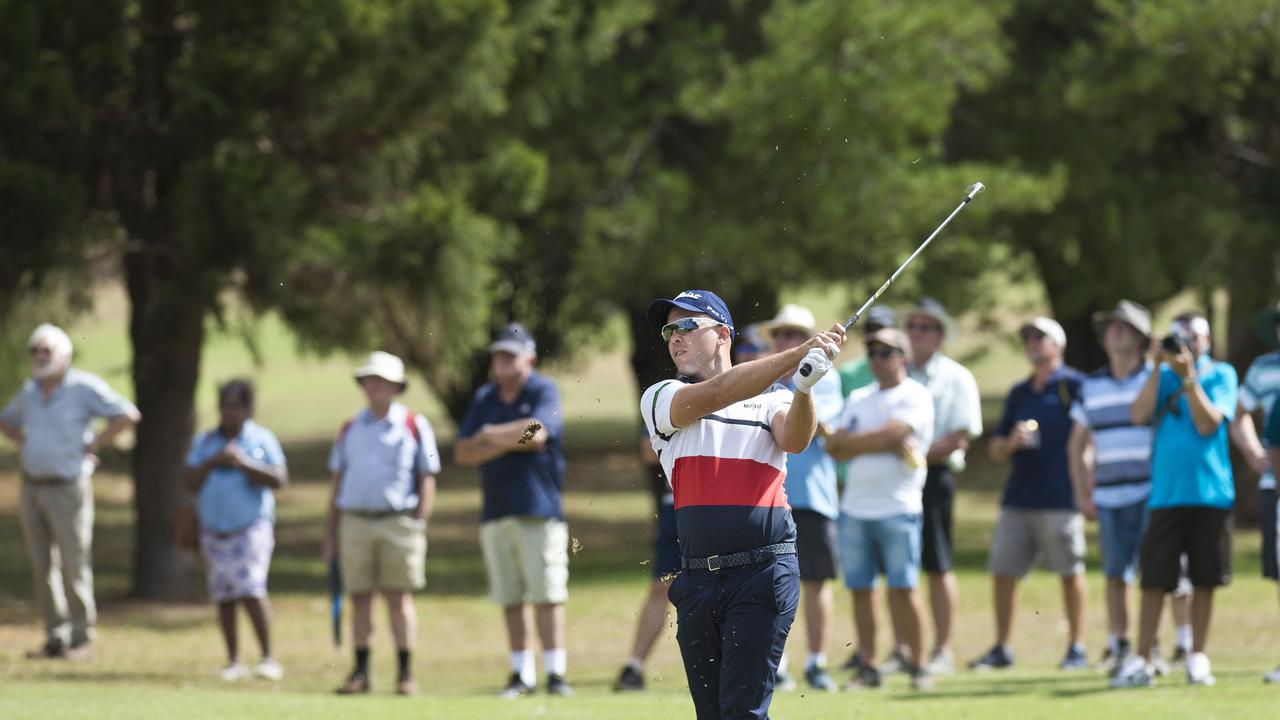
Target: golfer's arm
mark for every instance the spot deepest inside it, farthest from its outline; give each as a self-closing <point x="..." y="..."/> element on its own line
<point x="1000" y="448"/>
<point x="115" y="426"/>
<point x="508" y="436"/>
<point x="1204" y="414"/>
<point x="846" y="445"/>
<point x="696" y="400"/>
<point x="268" y="476"/>
<point x="798" y="423"/>
<point x="426" y="495"/>
<point x="476" y="450"/>
<point x="193" y="478"/>
<point x="1244" y="433"/>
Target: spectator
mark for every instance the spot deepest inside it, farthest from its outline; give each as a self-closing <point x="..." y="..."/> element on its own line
<point x="811" y="490"/>
<point x="1111" y="460"/>
<point x="1038" y="514"/>
<point x="234" y="468"/>
<point x="1258" y="395"/>
<point x="884" y="432"/>
<point x="666" y="564"/>
<point x="957" y="412"/>
<point x="512" y="431"/>
<point x="384" y="464"/>
<point x="857" y="372"/>
<point x="722" y="434"/>
<point x="1189" y="404"/>
<point x="751" y="344"/>
<point x="49" y="420"/>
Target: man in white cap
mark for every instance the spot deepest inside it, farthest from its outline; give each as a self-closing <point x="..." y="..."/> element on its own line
<point x="512" y="431"/>
<point x="1038" y="515"/>
<point x="811" y="491"/>
<point x="49" y="419"/>
<point x="384" y="464"/>
<point x="957" y="420"/>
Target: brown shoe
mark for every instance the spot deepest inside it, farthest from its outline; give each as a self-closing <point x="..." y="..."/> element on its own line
<point x="80" y="653"/>
<point x="356" y="684"/>
<point x="407" y="686"/>
<point x="50" y="650"/>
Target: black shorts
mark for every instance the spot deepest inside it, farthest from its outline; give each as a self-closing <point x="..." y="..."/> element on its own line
<point x="939" y="507"/>
<point x="1267" y="520"/>
<point x="815" y="545"/>
<point x="1203" y="533"/>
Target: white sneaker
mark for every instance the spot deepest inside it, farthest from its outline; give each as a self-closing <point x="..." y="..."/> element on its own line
<point x="1135" y="673"/>
<point x="942" y="662"/>
<point x="233" y="672"/>
<point x="268" y="669"/>
<point x="1272" y="677"/>
<point x="1198" y="672"/>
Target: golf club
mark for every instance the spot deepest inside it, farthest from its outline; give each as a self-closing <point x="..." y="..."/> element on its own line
<point x="974" y="189"/>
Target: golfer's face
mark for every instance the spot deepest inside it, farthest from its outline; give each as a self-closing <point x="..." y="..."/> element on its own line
<point x="41" y="357"/>
<point x="232" y="412"/>
<point x="692" y="351"/>
<point x="1039" y="347"/>
<point x="505" y="366"/>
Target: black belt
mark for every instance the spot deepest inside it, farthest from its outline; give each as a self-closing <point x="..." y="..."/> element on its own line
<point x="378" y="514"/>
<point x="738" y="559"/>
<point x="46" y="479"/>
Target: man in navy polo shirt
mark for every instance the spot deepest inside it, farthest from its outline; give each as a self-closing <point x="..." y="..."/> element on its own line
<point x="722" y="434"/>
<point x="512" y="431"/>
<point x="1038" y="514"/>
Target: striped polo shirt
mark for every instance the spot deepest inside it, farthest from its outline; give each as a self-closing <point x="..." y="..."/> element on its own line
<point x="1122" y="450"/>
<point x="1261" y="388"/>
<point x="726" y="470"/>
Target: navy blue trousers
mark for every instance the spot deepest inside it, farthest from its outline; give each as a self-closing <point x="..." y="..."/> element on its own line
<point x="732" y="628"/>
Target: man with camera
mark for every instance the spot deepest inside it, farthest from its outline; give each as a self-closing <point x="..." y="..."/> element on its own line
<point x="1189" y="403"/>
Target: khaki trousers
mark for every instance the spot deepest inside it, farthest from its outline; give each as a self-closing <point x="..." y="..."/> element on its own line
<point x="57" y="522"/>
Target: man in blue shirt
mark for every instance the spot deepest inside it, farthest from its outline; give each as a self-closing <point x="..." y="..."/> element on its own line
<point x="811" y="491"/>
<point x="512" y="431"/>
<point x="384" y="464"/>
<point x="50" y="420"/>
<point x="1189" y="403"/>
<point x="1038" y="513"/>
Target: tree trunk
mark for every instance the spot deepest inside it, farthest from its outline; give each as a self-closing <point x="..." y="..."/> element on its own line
<point x="167" y="330"/>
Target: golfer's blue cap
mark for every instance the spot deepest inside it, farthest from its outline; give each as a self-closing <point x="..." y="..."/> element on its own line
<point x="699" y="301"/>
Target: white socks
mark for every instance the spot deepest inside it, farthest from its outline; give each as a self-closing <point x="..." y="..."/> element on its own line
<point x="636" y="663"/>
<point x="816" y="659"/>
<point x="522" y="663"/>
<point x="1183" y="637"/>
<point x="554" y="661"/>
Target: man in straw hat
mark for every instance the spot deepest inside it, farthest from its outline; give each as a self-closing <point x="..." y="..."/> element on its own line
<point x="384" y="464"/>
<point x="1258" y="395"/>
<point x="811" y="490"/>
<point x="49" y="419"/>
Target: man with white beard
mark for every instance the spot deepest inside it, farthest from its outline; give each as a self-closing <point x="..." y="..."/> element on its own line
<point x="49" y="419"/>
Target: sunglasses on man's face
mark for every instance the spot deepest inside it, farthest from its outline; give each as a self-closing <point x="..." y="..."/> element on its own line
<point x="684" y="326"/>
<point x="41" y="350"/>
<point x="882" y="353"/>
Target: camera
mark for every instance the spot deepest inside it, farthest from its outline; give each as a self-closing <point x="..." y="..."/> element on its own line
<point x="1177" y="339"/>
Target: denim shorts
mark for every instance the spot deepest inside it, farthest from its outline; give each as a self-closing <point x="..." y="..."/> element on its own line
<point x="1120" y="534"/>
<point x="888" y="545"/>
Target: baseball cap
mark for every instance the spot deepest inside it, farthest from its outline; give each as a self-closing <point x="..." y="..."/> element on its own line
<point x="699" y="301"/>
<point x="515" y="339"/>
<point x="882" y="316"/>
<point x="1049" y="327"/>
<point x="1128" y="312"/>
<point x="892" y="337"/>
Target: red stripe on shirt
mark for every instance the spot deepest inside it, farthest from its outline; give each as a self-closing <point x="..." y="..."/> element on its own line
<point x="705" y="480"/>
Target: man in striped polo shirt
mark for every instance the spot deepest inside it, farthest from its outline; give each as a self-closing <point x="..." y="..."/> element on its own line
<point x="1258" y="394"/>
<point x="1111" y="459"/>
<point x="722" y="435"/>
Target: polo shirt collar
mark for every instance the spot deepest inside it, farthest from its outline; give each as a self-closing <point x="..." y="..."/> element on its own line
<point x="930" y="365"/>
<point x="395" y="414"/>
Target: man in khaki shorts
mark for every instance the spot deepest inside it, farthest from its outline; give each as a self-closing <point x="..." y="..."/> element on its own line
<point x="1038" y="515"/>
<point x="384" y="464"/>
<point x="512" y="431"/>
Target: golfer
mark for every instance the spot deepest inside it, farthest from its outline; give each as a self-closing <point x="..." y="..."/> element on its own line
<point x="723" y="434"/>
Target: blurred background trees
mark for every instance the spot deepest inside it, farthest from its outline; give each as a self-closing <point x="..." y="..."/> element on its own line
<point x="411" y="174"/>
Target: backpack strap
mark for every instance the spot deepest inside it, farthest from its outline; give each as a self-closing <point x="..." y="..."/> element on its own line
<point x="411" y="422"/>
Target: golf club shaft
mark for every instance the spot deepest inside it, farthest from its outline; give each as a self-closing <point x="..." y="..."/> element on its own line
<point x="806" y="368"/>
<point x="973" y="190"/>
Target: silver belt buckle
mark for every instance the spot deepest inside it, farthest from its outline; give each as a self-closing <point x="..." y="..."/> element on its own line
<point x="713" y="563"/>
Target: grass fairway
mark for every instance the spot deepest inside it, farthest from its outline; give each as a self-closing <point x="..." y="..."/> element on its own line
<point x="159" y="661"/>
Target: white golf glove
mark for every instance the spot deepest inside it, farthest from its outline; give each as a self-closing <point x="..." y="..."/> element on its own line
<point x="815" y="364"/>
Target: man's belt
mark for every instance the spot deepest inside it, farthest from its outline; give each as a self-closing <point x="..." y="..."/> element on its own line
<point x="46" y="479"/>
<point x="738" y="559"/>
<point x="377" y="514"/>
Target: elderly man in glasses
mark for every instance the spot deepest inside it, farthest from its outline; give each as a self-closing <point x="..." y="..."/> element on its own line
<point x="884" y="433"/>
<point x="723" y="434"/>
<point x="1038" y="515"/>
<point x="49" y="419"/>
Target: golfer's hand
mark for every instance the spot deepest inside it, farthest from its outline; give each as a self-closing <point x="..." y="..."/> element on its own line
<point x="815" y="364"/>
<point x="1018" y="438"/>
<point x="1087" y="508"/>
<point x="1182" y="363"/>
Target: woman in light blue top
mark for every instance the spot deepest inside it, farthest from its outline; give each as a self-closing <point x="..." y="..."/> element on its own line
<point x="234" y="468"/>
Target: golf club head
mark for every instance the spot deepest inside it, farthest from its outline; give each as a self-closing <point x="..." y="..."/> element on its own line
<point x="974" y="189"/>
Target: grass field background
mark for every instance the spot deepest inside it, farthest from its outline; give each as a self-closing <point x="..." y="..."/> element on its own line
<point x="160" y="660"/>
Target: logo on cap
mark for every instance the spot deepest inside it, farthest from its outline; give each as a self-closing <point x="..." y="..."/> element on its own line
<point x="687" y="294"/>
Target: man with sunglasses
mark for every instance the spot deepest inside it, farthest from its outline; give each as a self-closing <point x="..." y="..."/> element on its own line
<point x="1189" y="403"/>
<point x="49" y="420"/>
<point x="1038" y="515"/>
<point x="722" y="434"/>
<point x="884" y="432"/>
